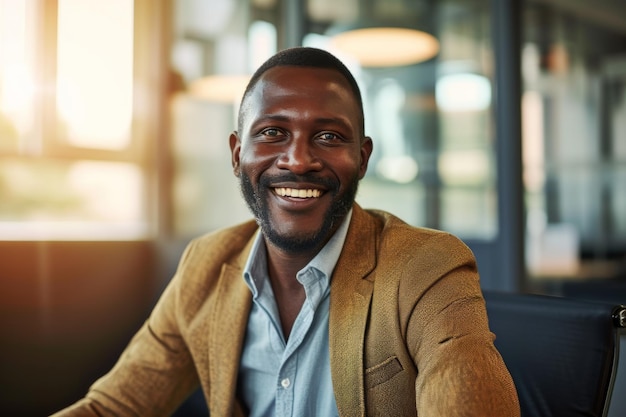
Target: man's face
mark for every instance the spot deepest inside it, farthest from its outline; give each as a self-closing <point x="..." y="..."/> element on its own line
<point x="300" y="155"/>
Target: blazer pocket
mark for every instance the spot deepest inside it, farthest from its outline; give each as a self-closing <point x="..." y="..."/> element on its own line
<point x="382" y="372"/>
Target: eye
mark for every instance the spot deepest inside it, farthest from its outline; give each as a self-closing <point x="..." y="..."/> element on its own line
<point x="271" y="134"/>
<point x="330" y="137"/>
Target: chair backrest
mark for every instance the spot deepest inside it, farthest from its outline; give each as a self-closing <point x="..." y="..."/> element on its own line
<point x="562" y="353"/>
<point x="611" y="290"/>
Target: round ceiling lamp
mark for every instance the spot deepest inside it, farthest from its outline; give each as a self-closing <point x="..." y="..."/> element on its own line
<point x="386" y="46"/>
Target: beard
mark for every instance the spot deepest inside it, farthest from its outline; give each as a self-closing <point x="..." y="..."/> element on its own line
<point x="257" y="201"/>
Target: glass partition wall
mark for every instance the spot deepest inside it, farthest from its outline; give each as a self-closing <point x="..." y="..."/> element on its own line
<point x="574" y="108"/>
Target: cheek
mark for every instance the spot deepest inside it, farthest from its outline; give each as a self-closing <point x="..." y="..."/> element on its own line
<point x="348" y="168"/>
<point x="254" y="164"/>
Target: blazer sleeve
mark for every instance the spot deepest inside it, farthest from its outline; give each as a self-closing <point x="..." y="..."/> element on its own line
<point x="154" y="374"/>
<point x="460" y="372"/>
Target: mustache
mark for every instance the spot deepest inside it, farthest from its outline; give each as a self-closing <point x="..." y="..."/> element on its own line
<point x="311" y="178"/>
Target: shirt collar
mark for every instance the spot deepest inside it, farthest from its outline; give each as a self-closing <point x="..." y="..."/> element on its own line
<point x="326" y="259"/>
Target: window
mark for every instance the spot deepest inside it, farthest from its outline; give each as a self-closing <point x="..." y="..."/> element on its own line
<point x="73" y="155"/>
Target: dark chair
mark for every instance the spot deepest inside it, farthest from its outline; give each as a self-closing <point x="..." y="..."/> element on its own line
<point x="561" y="352"/>
<point x="605" y="290"/>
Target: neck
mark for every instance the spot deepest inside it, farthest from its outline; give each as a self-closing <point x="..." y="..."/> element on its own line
<point x="283" y="266"/>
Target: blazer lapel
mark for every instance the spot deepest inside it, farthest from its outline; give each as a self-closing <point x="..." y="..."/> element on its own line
<point x="227" y="326"/>
<point x="350" y="296"/>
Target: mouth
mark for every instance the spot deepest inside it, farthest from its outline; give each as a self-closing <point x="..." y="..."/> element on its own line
<point x="303" y="193"/>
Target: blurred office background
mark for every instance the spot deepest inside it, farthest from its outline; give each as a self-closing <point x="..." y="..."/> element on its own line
<point x="501" y="121"/>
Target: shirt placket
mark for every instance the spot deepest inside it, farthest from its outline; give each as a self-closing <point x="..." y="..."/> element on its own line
<point x="288" y="371"/>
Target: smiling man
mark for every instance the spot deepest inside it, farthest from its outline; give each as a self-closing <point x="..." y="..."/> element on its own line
<point x="317" y="307"/>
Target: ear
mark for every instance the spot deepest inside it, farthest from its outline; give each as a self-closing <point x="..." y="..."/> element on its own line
<point x="367" y="146"/>
<point x="235" y="149"/>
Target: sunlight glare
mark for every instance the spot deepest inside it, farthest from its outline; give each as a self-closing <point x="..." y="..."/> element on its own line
<point x="95" y="71"/>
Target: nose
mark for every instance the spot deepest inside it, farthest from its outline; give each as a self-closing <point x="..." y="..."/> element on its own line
<point x="299" y="157"/>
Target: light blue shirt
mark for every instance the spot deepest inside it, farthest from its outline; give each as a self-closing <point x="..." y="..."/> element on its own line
<point x="289" y="378"/>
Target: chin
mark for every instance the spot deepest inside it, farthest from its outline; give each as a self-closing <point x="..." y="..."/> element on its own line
<point x="297" y="242"/>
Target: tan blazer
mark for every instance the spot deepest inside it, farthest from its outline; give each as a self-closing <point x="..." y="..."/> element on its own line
<point x="408" y="330"/>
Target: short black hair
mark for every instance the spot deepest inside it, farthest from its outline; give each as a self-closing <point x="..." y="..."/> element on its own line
<point x="302" y="56"/>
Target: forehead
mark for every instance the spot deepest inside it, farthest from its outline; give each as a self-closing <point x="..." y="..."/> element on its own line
<point x="287" y="74"/>
<point x="298" y="86"/>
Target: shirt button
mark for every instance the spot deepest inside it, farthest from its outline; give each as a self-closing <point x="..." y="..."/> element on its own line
<point x="285" y="383"/>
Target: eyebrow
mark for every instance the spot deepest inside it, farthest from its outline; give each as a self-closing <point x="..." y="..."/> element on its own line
<point x="319" y="120"/>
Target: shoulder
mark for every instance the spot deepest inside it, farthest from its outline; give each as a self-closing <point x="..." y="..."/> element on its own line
<point x="205" y="256"/>
<point x="411" y="257"/>
<point x="414" y="261"/>
<point x="203" y="263"/>
<point x="224" y="244"/>
<point x="397" y="236"/>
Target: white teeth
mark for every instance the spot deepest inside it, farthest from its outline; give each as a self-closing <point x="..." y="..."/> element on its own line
<point x="300" y="193"/>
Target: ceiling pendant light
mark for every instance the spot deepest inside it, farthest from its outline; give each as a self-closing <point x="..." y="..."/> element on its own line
<point x="386" y="46"/>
